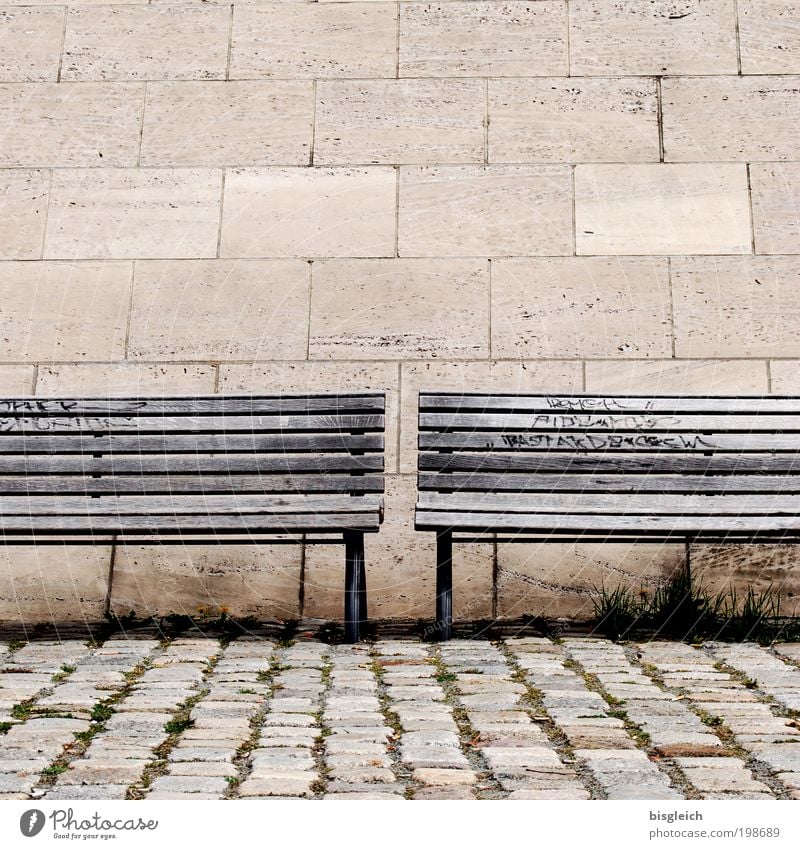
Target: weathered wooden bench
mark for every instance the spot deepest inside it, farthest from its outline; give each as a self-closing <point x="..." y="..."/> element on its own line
<point x="211" y="470"/>
<point x="608" y="468"/>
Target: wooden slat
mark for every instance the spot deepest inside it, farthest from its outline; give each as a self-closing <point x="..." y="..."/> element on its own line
<point x="610" y="403"/>
<point x="608" y="463"/>
<point x="196" y="524"/>
<point x="44" y="443"/>
<point x="211" y="423"/>
<point x="523" y="482"/>
<point x="574" y="523"/>
<point x="623" y="442"/>
<point x="644" y="423"/>
<point x="211" y="483"/>
<point x="619" y="504"/>
<point x="256" y="404"/>
<point x="166" y="464"/>
<point x="186" y="504"/>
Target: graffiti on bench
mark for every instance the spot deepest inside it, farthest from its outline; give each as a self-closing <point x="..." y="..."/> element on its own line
<point x="598" y="442"/>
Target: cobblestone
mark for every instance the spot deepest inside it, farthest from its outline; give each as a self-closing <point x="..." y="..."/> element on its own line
<point x="527" y="718"/>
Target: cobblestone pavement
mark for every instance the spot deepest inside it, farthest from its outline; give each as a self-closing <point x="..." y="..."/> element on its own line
<point x="528" y="718"/>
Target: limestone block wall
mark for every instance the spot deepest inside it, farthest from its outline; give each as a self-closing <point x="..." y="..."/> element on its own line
<point x="528" y="195"/>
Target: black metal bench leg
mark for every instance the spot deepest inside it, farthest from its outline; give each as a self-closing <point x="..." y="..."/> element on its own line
<point x="355" y="586"/>
<point x="444" y="584"/>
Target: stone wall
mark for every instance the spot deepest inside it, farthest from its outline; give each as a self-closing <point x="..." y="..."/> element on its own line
<point x="521" y="196"/>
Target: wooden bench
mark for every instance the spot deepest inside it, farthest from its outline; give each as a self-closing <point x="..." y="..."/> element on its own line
<point x="608" y="468"/>
<point x="211" y="470"/>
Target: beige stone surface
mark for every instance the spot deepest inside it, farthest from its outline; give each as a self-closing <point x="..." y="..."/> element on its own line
<point x="314" y="41"/>
<point x="509" y="39"/>
<point x="741" y="307"/>
<point x="181" y="42"/>
<point x="769" y="36"/>
<point x="652" y="37"/>
<point x="312" y="212"/>
<point x="228" y="123"/>
<point x="785" y="377"/>
<point x="23" y="207"/>
<point x="399" y="309"/>
<point x="561" y="579"/>
<point x="30" y="43"/>
<point x="269" y="196"/>
<point x="517" y="377"/>
<point x="671" y="377"/>
<point x="106" y="380"/>
<point x="399" y="121"/>
<point x="64" y="311"/>
<point x="662" y="209"/>
<point x="308" y="378"/>
<point x="53" y="584"/>
<point x="16" y="380"/>
<point x="219" y="310"/>
<point x="742" y="119"/>
<point x="775" y="193"/>
<point x="196" y="580"/>
<point x="580" y="307"/>
<point x="719" y="568"/>
<point x="55" y="124"/>
<point x="485" y="210"/>
<point x="134" y="213"/>
<point x="401" y="568"/>
<point x="573" y="120"/>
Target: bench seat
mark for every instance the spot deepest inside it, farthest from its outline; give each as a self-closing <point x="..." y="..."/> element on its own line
<point x="210" y="470"/>
<point x="501" y="467"/>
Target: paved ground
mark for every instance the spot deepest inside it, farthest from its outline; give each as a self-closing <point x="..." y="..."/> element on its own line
<point x="525" y="719"/>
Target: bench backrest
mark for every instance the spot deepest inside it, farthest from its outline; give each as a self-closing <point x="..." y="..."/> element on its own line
<point x="610" y="454"/>
<point x="201" y="462"/>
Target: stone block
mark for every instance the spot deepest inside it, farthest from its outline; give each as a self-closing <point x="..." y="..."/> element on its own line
<point x="769" y="36"/>
<point x="399" y="121"/>
<point x="64" y="311"/>
<point x="765" y="319"/>
<point x="731" y="119"/>
<point x="785" y="377"/>
<point x="662" y="209"/>
<point x="399" y="309"/>
<point x="125" y="379"/>
<point x="484" y="39"/>
<point x="480" y="210"/>
<point x="576" y="307"/>
<point x="219" y="310"/>
<point x="681" y="377"/>
<point x="652" y="37"/>
<point x="563" y="119"/>
<point x="16" y="380"/>
<point x="314" y="41"/>
<point x="49" y="584"/>
<point x="227" y="123"/>
<point x="195" y="580"/>
<point x="309" y="212"/>
<point x="23" y="204"/>
<point x="30" y="43"/>
<point x="183" y="42"/>
<point x="560" y="579"/>
<point x="775" y="190"/>
<point x="720" y="568"/>
<point x="133" y="214"/>
<point x="69" y="126"/>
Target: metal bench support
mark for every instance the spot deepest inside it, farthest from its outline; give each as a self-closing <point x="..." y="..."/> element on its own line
<point x="444" y="584"/>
